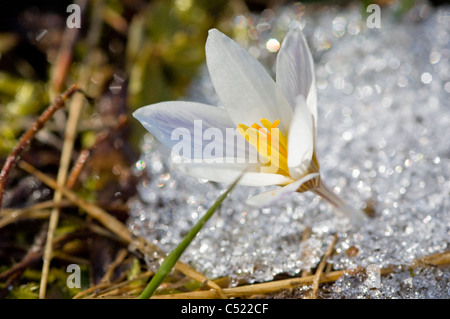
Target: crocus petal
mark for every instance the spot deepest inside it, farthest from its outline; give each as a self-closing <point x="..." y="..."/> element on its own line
<point x="243" y="85"/>
<point x="295" y="70"/>
<point x="300" y="140"/>
<point x="270" y="197"/>
<point x="171" y="122"/>
<point x="227" y="173"/>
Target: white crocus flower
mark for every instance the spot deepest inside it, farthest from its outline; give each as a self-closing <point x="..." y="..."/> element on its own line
<point x="278" y="120"/>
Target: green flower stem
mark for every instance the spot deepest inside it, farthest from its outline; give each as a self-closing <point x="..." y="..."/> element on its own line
<point x="173" y="257"/>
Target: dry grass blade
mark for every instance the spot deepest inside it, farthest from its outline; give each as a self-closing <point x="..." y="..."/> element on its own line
<point x="29" y="135"/>
<point x="37" y="214"/>
<point x="65" y="54"/>
<point x="321" y="266"/>
<point x="42" y="205"/>
<point x="96" y="212"/>
<point x="112" y="223"/>
<point x="440" y="259"/>
<point x="84" y="154"/>
<point x="255" y="289"/>
<point x="103" y="288"/>
<point x="121" y="255"/>
<point x="188" y="271"/>
<point x="9" y="216"/>
<point x="70" y="136"/>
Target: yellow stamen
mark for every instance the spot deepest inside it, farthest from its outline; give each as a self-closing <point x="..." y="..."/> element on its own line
<point x="278" y="140"/>
<point x="270" y="143"/>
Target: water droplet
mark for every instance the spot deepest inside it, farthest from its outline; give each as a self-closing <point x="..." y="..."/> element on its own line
<point x="435" y="57"/>
<point x="140" y="165"/>
<point x="273" y="45"/>
<point x="426" y="78"/>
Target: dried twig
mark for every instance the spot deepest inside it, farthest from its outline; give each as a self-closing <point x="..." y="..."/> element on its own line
<point x="188" y="271"/>
<point x="113" y="224"/>
<point x="69" y="138"/>
<point x="8" y="216"/>
<point x="65" y="54"/>
<point x="439" y="259"/>
<point x="321" y="266"/>
<point x="107" y="287"/>
<point x="92" y="289"/>
<point x="14" y="217"/>
<point x="26" y="138"/>
<point x="96" y="212"/>
<point x="119" y="258"/>
<point x="84" y="154"/>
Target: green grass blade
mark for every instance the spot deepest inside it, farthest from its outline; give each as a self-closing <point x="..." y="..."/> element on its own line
<point x="173" y="257"/>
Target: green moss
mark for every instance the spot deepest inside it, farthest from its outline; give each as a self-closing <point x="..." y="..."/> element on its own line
<point x="26" y="291"/>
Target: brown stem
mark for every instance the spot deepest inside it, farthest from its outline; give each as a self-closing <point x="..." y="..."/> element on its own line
<point x="65" y="54"/>
<point x="84" y="154"/>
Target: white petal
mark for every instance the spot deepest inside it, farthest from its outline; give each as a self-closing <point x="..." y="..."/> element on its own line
<point x="227" y="173"/>
<point x="167" y="120"/>
<point x="300" y="140"/>
<point x="270" y="197"/>
<point x="243" y="85"/>
<point x="295" y="70"/>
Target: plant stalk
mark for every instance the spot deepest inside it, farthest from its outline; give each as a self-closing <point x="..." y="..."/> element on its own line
<point x="341" y="207"/>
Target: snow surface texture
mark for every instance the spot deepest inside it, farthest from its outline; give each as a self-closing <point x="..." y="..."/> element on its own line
<point x="383" y="141"/>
